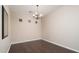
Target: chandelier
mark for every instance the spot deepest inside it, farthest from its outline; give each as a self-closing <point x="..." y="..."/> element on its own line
<point x="37" y="15"/>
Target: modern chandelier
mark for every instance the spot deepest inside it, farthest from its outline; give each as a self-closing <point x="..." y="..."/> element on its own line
<point x="37" y="15"/>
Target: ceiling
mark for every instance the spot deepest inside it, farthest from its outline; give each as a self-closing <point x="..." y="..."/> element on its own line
<point x="24" y="9"/>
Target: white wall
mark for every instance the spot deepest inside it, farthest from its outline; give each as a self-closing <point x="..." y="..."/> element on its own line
<point x="62" y="27"/>
<point x="24" y="31"/>
<point x="5" y="43"/>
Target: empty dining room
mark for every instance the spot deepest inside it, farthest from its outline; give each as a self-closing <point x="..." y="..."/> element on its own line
<point x="39" y="28"/>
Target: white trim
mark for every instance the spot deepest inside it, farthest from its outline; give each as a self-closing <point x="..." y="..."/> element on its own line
<point x="61" y="45"/>
<point x="26" y="41"/>
<point x="9" y="48"/>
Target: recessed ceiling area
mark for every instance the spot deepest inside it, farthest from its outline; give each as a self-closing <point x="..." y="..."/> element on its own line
<point x="25" y="9"/>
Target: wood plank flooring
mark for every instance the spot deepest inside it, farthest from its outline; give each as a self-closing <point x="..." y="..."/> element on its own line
<point x="38" y="46"/>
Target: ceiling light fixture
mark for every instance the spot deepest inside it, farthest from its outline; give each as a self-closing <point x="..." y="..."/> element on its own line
<point x="37" y="15"/>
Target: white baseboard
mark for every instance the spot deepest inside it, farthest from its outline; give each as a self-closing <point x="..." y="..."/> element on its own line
<point x="26" y="41"/>
<point x="9" y="48"/>
<point x="61" y="45"/>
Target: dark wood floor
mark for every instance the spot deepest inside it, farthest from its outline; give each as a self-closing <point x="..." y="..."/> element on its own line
<point x="38" y="46"/>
